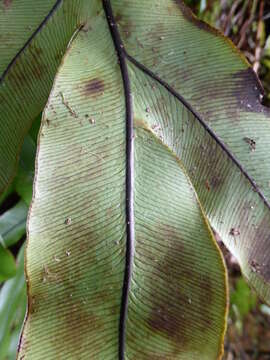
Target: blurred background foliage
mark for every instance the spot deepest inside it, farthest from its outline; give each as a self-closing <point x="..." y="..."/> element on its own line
<point x="247" y="23"/>
<point x="14" y="204"/>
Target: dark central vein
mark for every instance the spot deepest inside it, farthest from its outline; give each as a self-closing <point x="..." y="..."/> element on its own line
<point x="203" y="123"/>
<point x="123" y="58"/>
<point x="129" y="176"/>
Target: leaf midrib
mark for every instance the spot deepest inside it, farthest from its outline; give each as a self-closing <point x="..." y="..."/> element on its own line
<point x="123" y="56"/>
<point x="213" y="135"/>
<point x="119" y="47"/>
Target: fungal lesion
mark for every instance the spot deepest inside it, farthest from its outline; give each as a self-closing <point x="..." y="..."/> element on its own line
<point x="7" y="4"/>
<point x="94" y="87"/>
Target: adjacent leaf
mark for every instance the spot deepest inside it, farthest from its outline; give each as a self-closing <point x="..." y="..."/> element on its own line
<point x="6" y="193"/>
<point x="25" y="175"/>
<point x="33" y="132"/>
<point x="7" y="263"/>
<point x="104" y="233"/>
<point x="243" y="298"/>
<point x="204" y="101"/>
<point x="12" y="223"/>
<point x="32" y="44"/>
<point x="23" y="181"/>
<point x="12" y="310"/>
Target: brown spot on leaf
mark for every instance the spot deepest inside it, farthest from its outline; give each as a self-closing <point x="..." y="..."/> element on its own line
<point x="94" y="87"/>
<point x="249" y="91"/>
<point x="215" y="181"/>
<point x="35" y="61"/>
<point x="207" y="185"/>
<point x="18" y="76"/>
<point x="31" y="304"/>
<point x="118" y="17"/>
<point x="24" y="74"/>
<point x="170" y="316"/>
<point x="7" y="4"/>
<point x="165" y="320"/>
<point x="126" y="26"/>
<point x="75" y="314"/>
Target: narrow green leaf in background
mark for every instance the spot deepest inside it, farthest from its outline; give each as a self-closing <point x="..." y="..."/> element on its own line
<point x="12" y="223"/>
<point x="243" y="298"/>
<point x="23" y="181"/>
<point x="7" y="263"/>
<point x="12" y="311"/>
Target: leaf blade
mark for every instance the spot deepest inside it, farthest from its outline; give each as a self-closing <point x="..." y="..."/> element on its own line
<point x="26" y="83"/>
<point x="230" y="111"/>
<point x="215" y="177"/>
<point x="8" y="265"/>
<point x="87" y="175"/>
<point x="175" y="297"/>
<point x="50" y="278"/>
<point x="12" y="224"/>
<point x="12" y="304"/>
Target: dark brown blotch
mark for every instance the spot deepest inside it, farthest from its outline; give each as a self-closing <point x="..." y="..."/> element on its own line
<point x="38" y="68"/>
<point x="164" y="319"/>
<point x="94" y="87"/>
<point x="118" y="17"/>
<point x="249" y="92"/>
<point x="23" y="75"/>
<point x="126" y="26"/>
<point x="75" y="314"/>
<point x="170" y="318"/>
<point x="216" y="181"/>
<point x="7" y="4"/>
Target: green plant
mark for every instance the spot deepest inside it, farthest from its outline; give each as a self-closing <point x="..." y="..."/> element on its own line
<point x="153" y="133"/>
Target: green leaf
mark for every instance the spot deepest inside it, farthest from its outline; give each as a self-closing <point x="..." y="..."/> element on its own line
<point x="79" y="228"/>
<point x="206" y="106"/>
<point x="23" y="181"/>
<point x="243" y="298"/>
<point x="7" y="263"/>
<point x="6" y="193"/>
<point x="32" y="44"/>
<point x="25" y="176"/>
<point x="35" y="130"/>
<point x="153" y="132"/>
<point x="12" y="310"/>
<point x="12" y="224"/>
